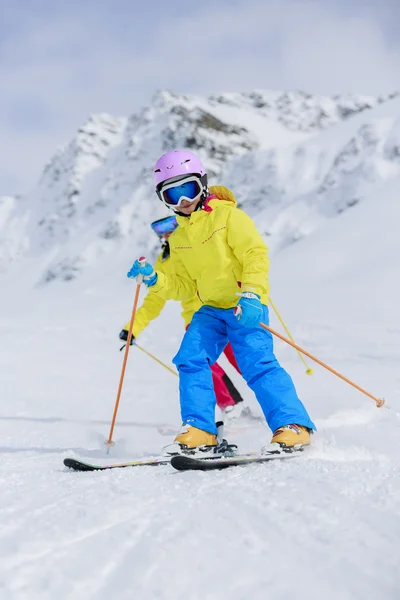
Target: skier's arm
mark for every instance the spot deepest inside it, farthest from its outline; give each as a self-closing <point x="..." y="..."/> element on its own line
<point x="250" y="250"/>
<point x="150" y="309"/>
<point x="176" y="286"/>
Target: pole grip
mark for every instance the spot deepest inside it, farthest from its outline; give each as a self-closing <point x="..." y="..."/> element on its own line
<point x="142" y="262"/>
<point x="238" y="312"/>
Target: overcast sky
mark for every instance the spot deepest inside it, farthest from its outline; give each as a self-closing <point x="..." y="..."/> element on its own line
<point x="62" y="60"/>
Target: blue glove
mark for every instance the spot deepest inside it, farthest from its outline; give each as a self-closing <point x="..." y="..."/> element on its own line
<point x="249" y="310"/>
<point x="140" y="267"/>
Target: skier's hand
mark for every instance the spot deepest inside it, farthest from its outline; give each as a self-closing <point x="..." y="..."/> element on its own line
<point x="249" y="310"/>
<point x="124" y="336"/>
<point x="141" y="268"/>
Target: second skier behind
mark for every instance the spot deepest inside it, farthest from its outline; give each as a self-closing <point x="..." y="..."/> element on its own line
<point x="229" y="400"/>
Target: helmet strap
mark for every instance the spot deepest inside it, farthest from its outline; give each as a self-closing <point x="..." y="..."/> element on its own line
<point x="204" y="197"/>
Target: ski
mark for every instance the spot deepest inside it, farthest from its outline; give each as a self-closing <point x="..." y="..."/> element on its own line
<point x="183" y="462"/>
<point x="81" y="465"/>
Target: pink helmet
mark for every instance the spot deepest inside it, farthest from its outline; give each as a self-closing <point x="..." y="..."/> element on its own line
<point x="177" y="163"/>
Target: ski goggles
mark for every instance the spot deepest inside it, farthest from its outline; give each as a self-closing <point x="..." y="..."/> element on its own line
<point x="175" y="192"/>
<point x="163" y="226"/>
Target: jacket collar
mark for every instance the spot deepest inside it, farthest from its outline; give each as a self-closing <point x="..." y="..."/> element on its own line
<point x="219" y="194"/>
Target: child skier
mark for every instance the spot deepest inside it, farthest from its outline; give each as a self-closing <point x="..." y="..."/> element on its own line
<point x="226" y="393"/>
<point x="219" y="254"/>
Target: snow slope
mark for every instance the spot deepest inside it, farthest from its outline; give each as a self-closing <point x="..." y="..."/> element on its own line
<point x="292" y="190"/>
<point x="324" y="525"/>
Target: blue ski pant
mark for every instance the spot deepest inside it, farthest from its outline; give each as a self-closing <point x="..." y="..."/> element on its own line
<point x="209" y="332"/>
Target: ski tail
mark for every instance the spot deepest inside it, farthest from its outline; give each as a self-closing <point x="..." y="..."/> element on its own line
<point x="81" y="465"/>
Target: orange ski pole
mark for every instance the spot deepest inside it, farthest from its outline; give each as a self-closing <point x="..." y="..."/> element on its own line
<point x="379" y="401"/>
<point x="139" y="280"/>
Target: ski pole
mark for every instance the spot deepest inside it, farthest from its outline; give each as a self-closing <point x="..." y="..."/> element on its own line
<point x="160" y="362"/>
<point x="139" y="280"/>
<point x="309" y="370"/>
<point x="379" y="401"/>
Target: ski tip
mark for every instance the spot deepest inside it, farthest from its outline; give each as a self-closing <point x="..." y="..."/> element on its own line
<point x="181" y="462"/>
<point x="77" y="465"/>
<point x="185" y="463"/>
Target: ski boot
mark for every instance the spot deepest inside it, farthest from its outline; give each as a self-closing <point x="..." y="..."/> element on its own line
<point x="289" y="438"/>
<point x="191" y="440"/>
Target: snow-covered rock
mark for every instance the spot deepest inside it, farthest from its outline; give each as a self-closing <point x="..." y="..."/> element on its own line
<point x="292" y="159"/>
<point x="290" y="191"/>
<point x="56" y="198"/>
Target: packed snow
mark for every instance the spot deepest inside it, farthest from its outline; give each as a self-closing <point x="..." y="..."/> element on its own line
<point x="322" y="525"/>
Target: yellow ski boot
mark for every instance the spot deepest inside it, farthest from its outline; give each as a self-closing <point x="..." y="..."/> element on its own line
<point x="191" y="440"/>
<point x="291" y="437"/>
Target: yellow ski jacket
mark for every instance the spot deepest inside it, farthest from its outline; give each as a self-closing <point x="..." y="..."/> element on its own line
<point x="216" y="253"/>
<point x="154" y="303"/>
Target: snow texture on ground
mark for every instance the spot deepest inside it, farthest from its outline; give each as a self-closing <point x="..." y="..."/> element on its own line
<point x="321" y="180"/>
<point x="323" y="525"/>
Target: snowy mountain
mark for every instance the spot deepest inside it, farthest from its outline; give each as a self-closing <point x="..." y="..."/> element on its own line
<point x="292" y="190"/>
<point x="292" y="159"/>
